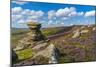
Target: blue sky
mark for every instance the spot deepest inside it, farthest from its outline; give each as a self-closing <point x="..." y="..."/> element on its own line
<point x="51" y="14"/>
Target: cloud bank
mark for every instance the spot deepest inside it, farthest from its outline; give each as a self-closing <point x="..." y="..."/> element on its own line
<point x="52" y="17"/>
<point x="90" y="13"/>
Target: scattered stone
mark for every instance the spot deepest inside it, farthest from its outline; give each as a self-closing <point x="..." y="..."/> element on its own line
<point x="53" y="58"/>
<point x="20" y="47"/>
<point x="84" y="31"/>
<point x="76" y="33"/>
<point x="83" y="27"/>
<point x="94" y="29"/>
<point x="89" y="26"/>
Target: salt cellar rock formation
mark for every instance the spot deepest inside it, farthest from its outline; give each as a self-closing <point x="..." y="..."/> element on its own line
<point x="33" y="37"/>
<point x="38" y="42"/>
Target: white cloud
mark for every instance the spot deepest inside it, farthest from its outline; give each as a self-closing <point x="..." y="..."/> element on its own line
<point x="74" y="13"/>
<point x="65" y="12"/>
<point x="16" y="17"/>
<point x="42" y="21"/>
<point x="56" y="22"/>
<point x="80" y="13"/>
<point x="26" y="12"/>
<point x="71" y="24"/>
<point x="21" y="21"/>
<point x="51" y="14"/>
<point x="62" y="12"/>
<point x="72" y="9"/>
<point x="13" y="18"/>
<point x="16" y="10"/>
<point x="90" y="13"/>
<point x="50" y="22"/>
<point x="39" y="13"/>
<point x="62" y="23"/>
<point x="21" y="15"/>
<point x="31" y="20"/>
<point x="32" y="12"/>
<point x="64" y="18"/>
<point x="52" y="17"/>
<point x="19" y="2"/>
<point x="33" y="17"/>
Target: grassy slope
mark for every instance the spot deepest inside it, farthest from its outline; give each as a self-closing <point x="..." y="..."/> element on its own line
<point x="77" y="49"/>
<point x="71" y="50"/>
<point x="18" y="33"/>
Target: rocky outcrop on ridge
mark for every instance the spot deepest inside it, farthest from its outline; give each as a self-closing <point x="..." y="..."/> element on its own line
<point x="38" y="43"/>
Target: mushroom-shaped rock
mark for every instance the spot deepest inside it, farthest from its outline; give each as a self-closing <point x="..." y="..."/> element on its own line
<point x="34" y="25"/>
<point x="34" y="36"/>
<point x="35" y="32"/>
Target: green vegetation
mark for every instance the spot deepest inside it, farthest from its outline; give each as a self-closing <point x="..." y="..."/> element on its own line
<point x="24" y="54"/>
<point x="18" y="33"/>
<point x="65" y="59"/>
<point x="70" y="49"/>
<point x="78" y="49"/>
<point x="52" y="31"/>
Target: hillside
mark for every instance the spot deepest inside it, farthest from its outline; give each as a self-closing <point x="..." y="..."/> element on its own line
<point x="77" y="45"/>
<point x="74" y="43"/>
<point x="18" y="33"/>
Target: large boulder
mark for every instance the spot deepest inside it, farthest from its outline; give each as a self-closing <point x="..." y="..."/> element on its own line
<point x="35" y="32"/>
<point x="33" y="37"/>
<point x="39" y="44"/>
<point x="94" y="28"/>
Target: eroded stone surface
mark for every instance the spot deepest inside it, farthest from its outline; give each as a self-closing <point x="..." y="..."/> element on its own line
<point x="38" y="43"/>
<point x="76" y="33"/>
<point x="84" y="31"/>
<point x="33" y="37"/>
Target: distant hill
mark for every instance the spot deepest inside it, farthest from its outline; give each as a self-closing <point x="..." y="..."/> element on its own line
<point x="18" y="30"/>
<point x="76" y="45"/>
<point x="46" y="31"/>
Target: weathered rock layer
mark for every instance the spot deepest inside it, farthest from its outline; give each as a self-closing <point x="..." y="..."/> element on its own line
<point x="39" y="44"/>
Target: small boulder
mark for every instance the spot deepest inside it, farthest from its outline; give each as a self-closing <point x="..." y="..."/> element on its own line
<point x="84" y="31"/>
<point x="94" y="29"/>
<point x="76" y="33"/>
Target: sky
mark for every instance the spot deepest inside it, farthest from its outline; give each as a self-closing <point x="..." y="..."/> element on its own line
<point x="51" y="14"/>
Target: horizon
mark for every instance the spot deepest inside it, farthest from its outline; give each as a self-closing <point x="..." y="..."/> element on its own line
<point x="54" y="26"/>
